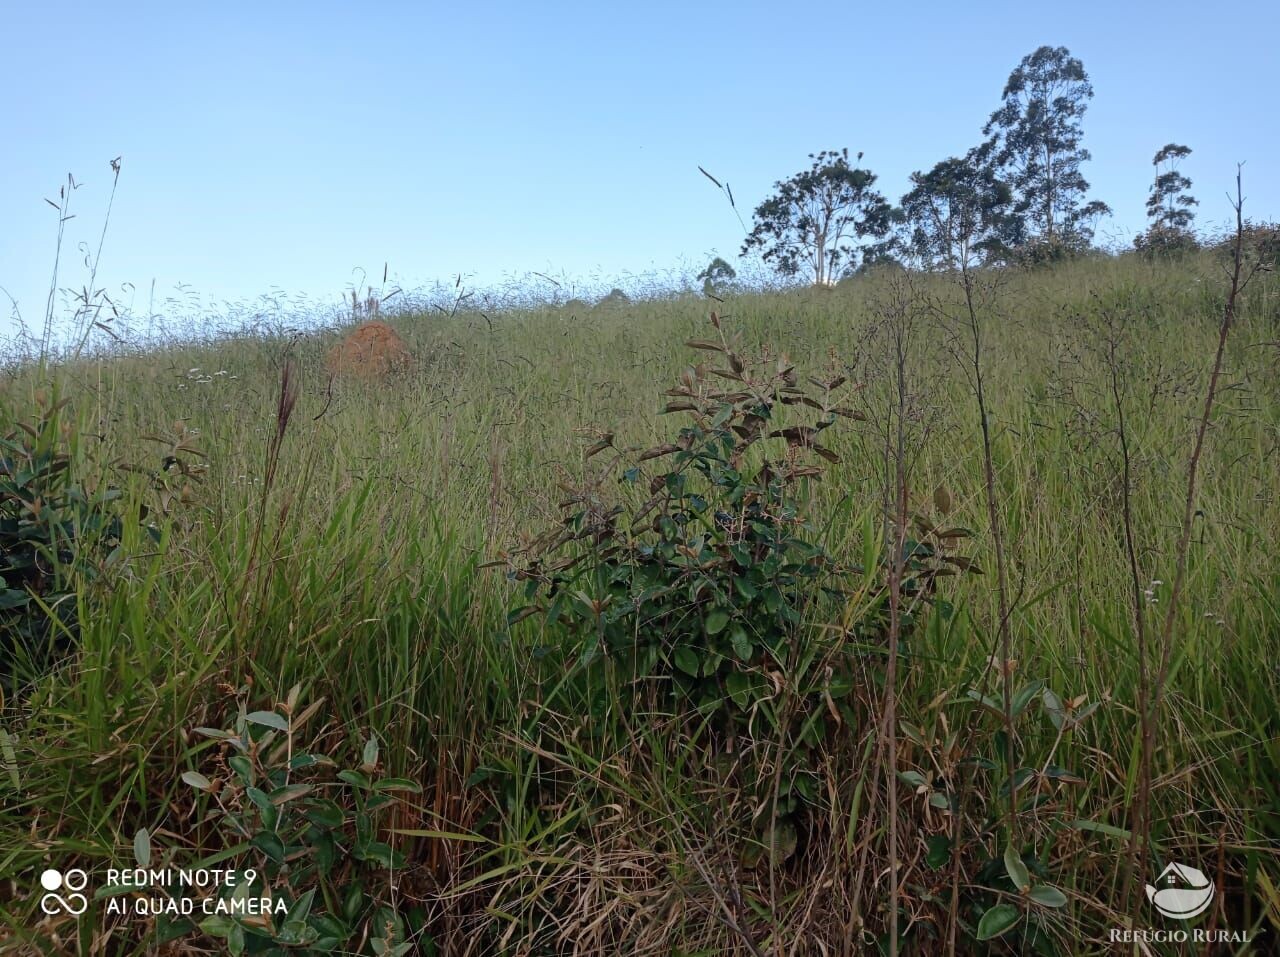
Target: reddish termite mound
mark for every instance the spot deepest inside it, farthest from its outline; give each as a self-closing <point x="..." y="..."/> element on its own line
<point x="372" y="350"/>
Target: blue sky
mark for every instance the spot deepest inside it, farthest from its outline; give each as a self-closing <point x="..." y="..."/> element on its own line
<point x="286" y="145"/>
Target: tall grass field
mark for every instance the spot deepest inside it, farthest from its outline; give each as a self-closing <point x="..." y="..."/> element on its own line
<point x="400" y="668"/>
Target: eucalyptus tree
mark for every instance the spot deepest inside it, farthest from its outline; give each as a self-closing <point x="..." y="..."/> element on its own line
<point x="717" y="274"/>
<point x="960" y="214"/>
<point x="1035" y="141"/>
<point x="1170" y="205"/>
<point x="817" y="221"/>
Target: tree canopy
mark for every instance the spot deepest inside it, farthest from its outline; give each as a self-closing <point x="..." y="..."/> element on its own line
<point x="1034" y="141"/>
<point x="717" y="272"/>
<point x="817" y="220"/>
<point x="1170" y="205"/>
<point x="960" y="214"/>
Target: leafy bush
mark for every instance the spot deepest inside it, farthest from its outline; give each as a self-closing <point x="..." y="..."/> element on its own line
<point x="1043" y="253"/>
<point x="56" y="527"/>
<point x="710" y="572"/>
<point x="1009" y="886"/>
<point x="315" y="836"/>
<point x="698" y="581"/>
<point x="1164" y="241"/>
<point x="615" y="298"/>
<point x="1260" y="240"/>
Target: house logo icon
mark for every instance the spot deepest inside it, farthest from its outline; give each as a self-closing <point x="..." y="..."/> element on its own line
<point x="1181" y="892"/>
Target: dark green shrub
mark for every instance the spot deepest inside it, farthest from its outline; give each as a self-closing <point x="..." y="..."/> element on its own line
<point x="702" y="582"/>
<point x="57" y="527"/>
<point x="616" y="297"/>
<point x="316" y="837"/>
<point x="1045" y="253"/>
<point x="1159" y="242"/>
<point x="707" y="571"/>
<point x="1261" y="242"/>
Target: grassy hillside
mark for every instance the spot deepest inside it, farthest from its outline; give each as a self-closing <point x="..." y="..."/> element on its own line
<point x="325" y="565"/>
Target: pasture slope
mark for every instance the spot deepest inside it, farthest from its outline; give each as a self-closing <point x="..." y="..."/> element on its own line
<point x="319" y="583"/>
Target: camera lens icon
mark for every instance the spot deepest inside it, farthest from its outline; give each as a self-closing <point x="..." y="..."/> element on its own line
<point x="73" y="881"/>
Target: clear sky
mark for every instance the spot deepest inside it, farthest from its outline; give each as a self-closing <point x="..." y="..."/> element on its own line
<point x="287" y="144"/>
